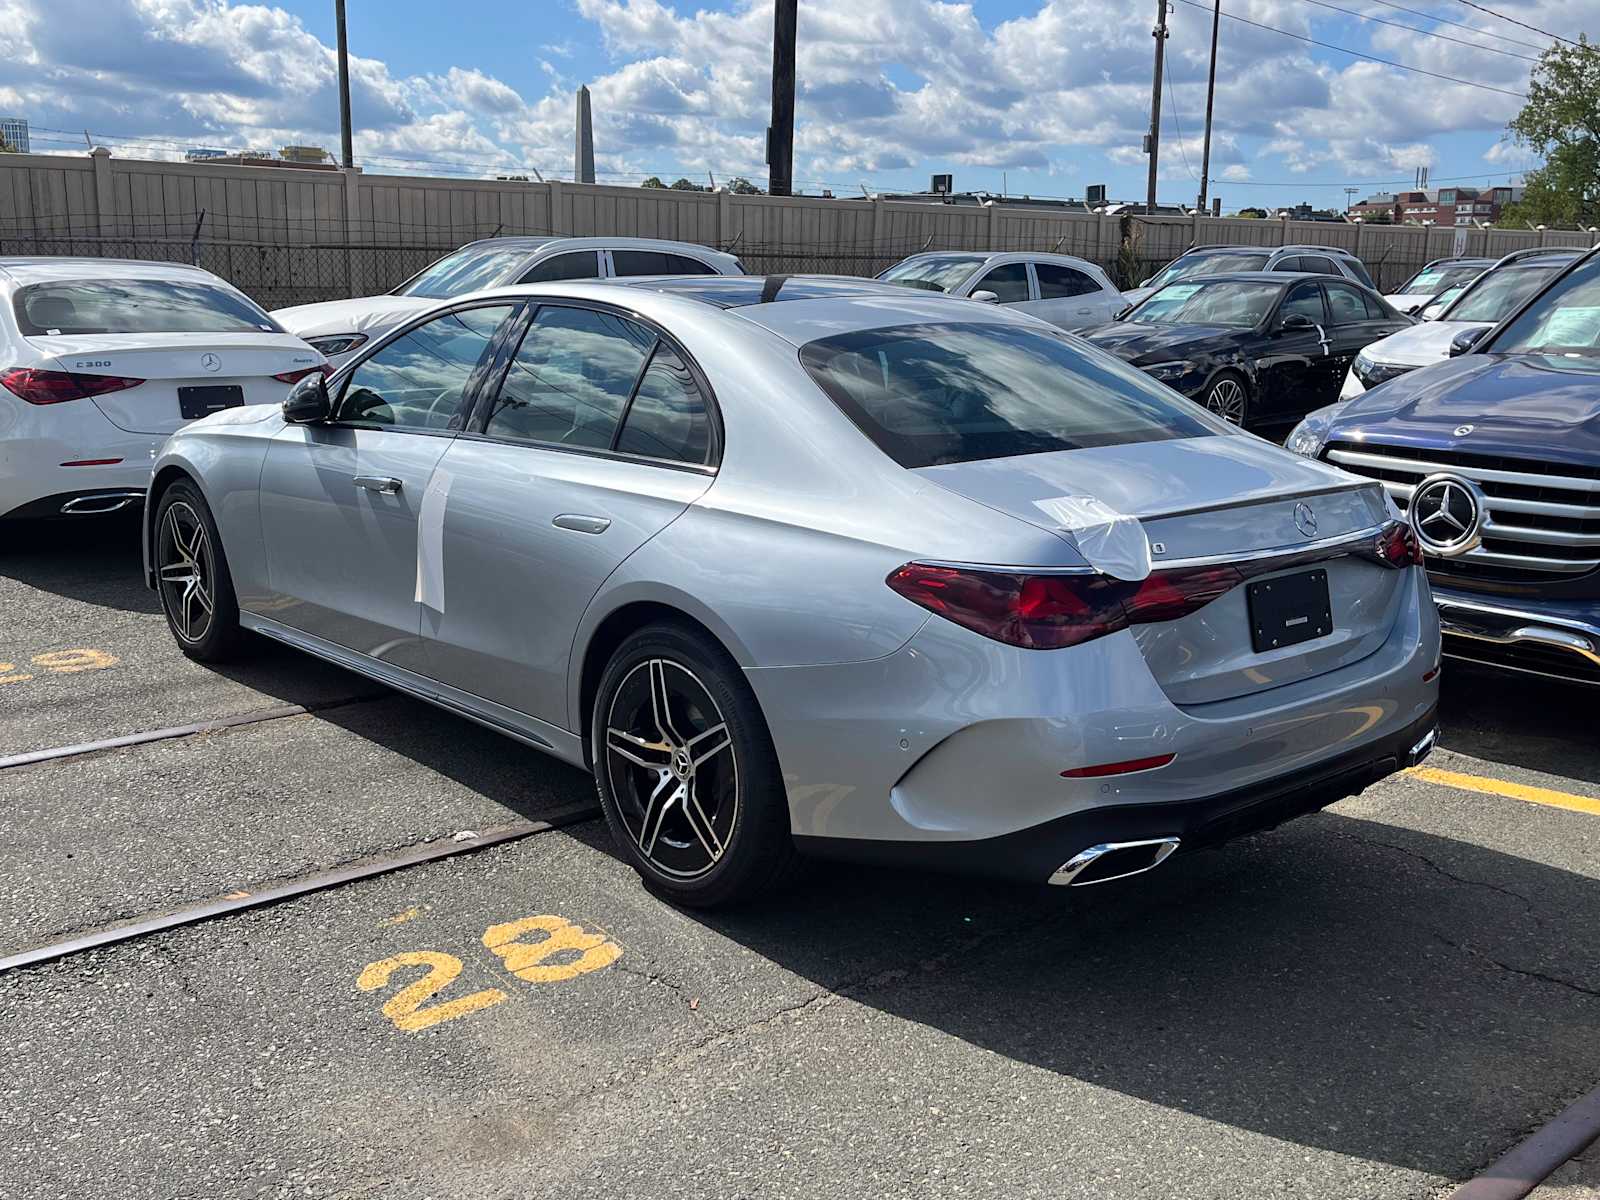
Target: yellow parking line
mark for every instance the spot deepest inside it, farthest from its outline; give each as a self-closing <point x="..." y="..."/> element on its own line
<point x="1515" y="791"/>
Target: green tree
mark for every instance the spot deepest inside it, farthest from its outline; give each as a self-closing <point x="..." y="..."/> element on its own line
<point x="1561" y="122"/>
<point x="684" y="185"/>
<point x="7" y="148"/>
<point x="740" y="186"/>
<point x="654" y="182"/>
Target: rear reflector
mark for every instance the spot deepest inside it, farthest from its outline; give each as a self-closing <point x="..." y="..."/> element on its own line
<point x="1119" y="768"/>
<point x="92" y="462"/>
<point x="297" y="376"/>
<point x="57" y="387"/>
<point x="1052" y="611"/>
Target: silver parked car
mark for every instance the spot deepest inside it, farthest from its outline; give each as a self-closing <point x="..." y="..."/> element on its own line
<point x="1066" y="291"/>
<point x="819" y="566"/>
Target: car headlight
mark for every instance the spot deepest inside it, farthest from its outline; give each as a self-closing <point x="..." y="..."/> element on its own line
<point x="1371" y="373"/>
<point x="1168" y="370"/>
<point x="333" y="344"/>
<point x="1311" y="434"/>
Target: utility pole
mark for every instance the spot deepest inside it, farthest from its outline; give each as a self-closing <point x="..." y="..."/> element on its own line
<point x="1211" y="97"/>
<point x="780" y="134"/>
<point x="1153" y="138"/>
<point x="1350" y="198"/>
<point x="346" y="157"/>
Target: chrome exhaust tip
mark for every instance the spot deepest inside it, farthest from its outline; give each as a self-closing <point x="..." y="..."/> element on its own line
<point x="94" y="506"/>
<point x="1113" y="860"/>
<point x="1423" y="748"/>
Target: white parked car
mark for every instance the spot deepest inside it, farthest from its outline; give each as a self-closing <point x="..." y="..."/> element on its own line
<point x="338" y="328"/>
<point x="101" y="359"/>
<point x="1068" y="292"/>
<point x="1434" y="280"/>
<point x="1480" y="305"/>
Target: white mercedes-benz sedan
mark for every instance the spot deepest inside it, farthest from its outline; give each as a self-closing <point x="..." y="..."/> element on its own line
<point x="101" y="359"/>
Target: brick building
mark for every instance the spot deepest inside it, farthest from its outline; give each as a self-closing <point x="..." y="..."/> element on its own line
<point x="1442" y="206"/>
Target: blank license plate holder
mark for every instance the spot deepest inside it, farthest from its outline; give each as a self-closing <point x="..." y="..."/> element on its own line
<point x="1289" y="610"/>
<point x="205" y="399"/>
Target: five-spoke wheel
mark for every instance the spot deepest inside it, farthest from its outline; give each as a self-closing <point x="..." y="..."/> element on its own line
<point x="192" y="576"/>
<point x="686" y="770"/>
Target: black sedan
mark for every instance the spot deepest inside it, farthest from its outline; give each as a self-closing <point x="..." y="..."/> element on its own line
<point x="1260" y="348"/>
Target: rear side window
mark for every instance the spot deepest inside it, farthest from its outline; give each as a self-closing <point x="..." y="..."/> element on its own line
<point x="1318" y="265"/>
<point x="570" y="379"/>
<point x="1009" y="282"/>
<point x="1058" y="282"/>
<point x="1347" y="306"/>
<point x="932" y="394"/>
<point x="656" y="262"/>
<point x="136" y="306"/>
<point x="579" y="264"/>
<point x="1355" y="268"/>
<point x="667" y="418"/>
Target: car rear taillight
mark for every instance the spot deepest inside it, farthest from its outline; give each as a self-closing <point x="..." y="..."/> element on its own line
<point x="1049" y="611"/>
<point x="57" y="387"/>
<point x="1398" y="545"/>
<point x="297" y="376"/>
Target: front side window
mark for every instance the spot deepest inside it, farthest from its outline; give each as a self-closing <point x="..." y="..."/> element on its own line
<point x="656" y="262"/>
<point x="570" y="379"/>
<point x="576" y="264"/>
<point x="470" y="269"/>
<point x="1058" y="282"/>
<point x="932" y="394"/>
<point x="667" y="417"/>
<point x="1304" y="299"/>
<point x="936" y="273"/>
<point x="1009" y="282"/>
<point x="1565" y="321"/>
<point x="90" y="306"/>
<point x="1236" y="303"/>
<point x="417" y="381"/>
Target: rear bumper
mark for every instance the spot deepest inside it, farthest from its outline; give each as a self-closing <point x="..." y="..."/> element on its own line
<point x="1040" y="853"/>
<point x="1555" y="638"/>
<point x="37" y="442"/>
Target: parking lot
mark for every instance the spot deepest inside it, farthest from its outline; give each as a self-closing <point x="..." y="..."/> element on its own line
<point x="1375" y="1001"/>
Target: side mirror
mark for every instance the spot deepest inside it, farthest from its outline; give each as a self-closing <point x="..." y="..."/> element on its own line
<point x="984" y="297"/>
<point x="1297" y="321"/>
<point x="1466" y="340"/>
<point x="307" y="401"/>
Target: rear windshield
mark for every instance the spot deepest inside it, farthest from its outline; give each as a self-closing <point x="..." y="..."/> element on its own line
<point x="1210" y="264"/>
<point x="135" y="306"/>
<point x="932" y="394"/>
<point x="468" y="270"/>
<point x="939" y="274"/>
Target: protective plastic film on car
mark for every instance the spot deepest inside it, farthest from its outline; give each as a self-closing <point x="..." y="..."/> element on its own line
<point x="1111" y="542"/>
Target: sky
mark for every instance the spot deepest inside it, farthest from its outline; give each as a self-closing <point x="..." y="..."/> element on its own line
<point x="1035" y="97"/>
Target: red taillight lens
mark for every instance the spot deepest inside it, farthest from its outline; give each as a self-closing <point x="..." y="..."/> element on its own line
<point x="297" y="376"/>
<point x="57" y="387"/>
<point x="1049" y="612"/>
<point x="1398" y="546"/>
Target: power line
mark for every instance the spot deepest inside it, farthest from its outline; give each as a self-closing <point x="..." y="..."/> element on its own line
<point x="1523" y="24"/>
<point x="1300" y="183"/>
<point x="1417" y="12"/>
<point x="1443" y="37"/>
<point x="1359" y="54"/>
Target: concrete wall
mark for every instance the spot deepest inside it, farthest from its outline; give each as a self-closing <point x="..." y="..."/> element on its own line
<point x="287" y="235"/>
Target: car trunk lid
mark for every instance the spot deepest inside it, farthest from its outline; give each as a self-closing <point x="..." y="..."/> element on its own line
<point x="232" y="366"/>
<point x="1224" y="499"/>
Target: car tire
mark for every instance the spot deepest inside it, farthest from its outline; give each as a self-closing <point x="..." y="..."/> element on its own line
<point x="694" y="799"/>
<point x="1228" y="396"/>
<point x="192" y="577"/>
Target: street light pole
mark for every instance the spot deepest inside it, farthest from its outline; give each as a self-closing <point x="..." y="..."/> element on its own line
<point x="346" y="157"/>
<point x="1211" y="96"/>
<point x="1153" y="138"/>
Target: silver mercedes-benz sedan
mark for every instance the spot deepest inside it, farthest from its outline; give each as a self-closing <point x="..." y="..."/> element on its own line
<point x="810" y="566"/>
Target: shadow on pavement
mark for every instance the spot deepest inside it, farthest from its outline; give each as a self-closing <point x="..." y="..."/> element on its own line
<point x="96" y="560"/>
<point x="1339" y="984"/>
<point x="1520" y="720"/>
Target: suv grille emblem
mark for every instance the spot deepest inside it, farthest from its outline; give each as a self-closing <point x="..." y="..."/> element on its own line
<point x="1447" y="515"/>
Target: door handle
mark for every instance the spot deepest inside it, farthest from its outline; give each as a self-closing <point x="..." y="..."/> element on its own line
<point x="579" y="523"/>
<point x="384" y="485"/>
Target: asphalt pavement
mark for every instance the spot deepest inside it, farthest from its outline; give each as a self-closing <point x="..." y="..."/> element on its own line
<point x="1375" y="1001"/>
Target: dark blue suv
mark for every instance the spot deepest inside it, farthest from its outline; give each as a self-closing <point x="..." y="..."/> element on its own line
<point x="1494" y="455"/>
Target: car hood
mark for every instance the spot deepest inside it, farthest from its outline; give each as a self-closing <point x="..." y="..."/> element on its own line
<point x="1419" y="345"/>
<point x="360" y="315"/>
<point x="1521" y="405"/>
<point x="1133" y="340"/>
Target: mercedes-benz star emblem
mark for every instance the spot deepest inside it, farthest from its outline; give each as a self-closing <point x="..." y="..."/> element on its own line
<point x="1305" y="520"/>
<point x="1447" y="515"/>
<point x="211" y="362"/>
<point x="1464" y="430"/>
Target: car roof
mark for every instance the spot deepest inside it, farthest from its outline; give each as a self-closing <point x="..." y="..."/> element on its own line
<point x="744" y="291"/>
<point x="557" y="242"/>
<point x="22" y="270"/>
<point x="1259" y="277"/>
<point x="1555" y="258"/>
